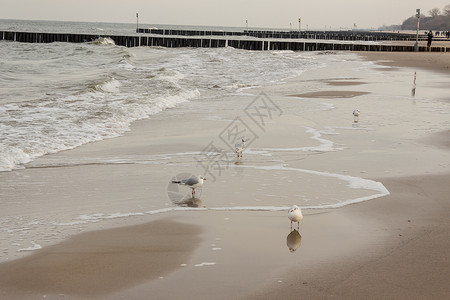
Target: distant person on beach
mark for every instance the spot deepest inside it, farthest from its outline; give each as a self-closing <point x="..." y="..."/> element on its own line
<point x="430" y="38"/>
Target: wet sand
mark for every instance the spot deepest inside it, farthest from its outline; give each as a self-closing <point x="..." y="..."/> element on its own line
<point x="332" y="94"/>
<point x="406" y="257"/>
<point x="99" y="263"/>
<point x="391" y="247"/>
<point x="438" y="61"/>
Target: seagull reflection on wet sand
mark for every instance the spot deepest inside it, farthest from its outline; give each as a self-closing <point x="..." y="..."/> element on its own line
<point x="293" y="240"/>
<point x="189" y="202"/>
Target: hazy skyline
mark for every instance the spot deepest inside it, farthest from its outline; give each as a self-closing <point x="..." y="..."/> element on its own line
<point x="319" y="14"/>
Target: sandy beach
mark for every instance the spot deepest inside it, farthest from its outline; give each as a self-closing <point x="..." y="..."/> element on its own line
<point x="234" y="244"/>
<point x="432" y="61"/>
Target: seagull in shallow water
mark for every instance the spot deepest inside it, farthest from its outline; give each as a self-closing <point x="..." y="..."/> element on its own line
<point x="295" y="215"/>
<point x="193" y="182"/>
<point x="239" y="148"/>
<point x="356" y="113"/>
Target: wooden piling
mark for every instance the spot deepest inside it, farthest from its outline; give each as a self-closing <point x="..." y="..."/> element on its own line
<point x="212" y="39"/>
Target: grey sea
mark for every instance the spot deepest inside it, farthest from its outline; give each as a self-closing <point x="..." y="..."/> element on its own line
<point x="58" y="96"/>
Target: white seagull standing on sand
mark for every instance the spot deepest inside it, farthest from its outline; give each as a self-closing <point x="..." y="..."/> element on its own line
<point x="193" y="182"/>
<point x="356" y="113"/>
<point x="295" y="215"/>
<point x="239" y="148"/>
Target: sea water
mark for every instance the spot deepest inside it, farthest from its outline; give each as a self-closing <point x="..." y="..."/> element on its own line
<point x="58" y="96"/>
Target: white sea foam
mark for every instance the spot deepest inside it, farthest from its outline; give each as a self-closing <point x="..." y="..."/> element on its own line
<point x="251" y="208"/>
<point x="205" y="264"/>
<point x="110" y="86"/>
<point x="74" y="121"/>
<point x="352" y="182"/>
<point x="70" y="223"/>
<point x="324" y="146"/>
<point x="103" y="41"/>
<point x="11" y="157"/>
<point x="34" y="246"/>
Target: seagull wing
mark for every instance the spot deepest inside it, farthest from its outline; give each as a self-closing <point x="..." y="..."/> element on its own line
<point x="191" y="181"/>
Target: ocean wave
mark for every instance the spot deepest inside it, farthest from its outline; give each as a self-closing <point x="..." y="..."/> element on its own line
<point x="11" y="157"/>
<point x="71" y="95"/>
<point x="60" y="124"/>
<point x="168" y="75"/>
<point x="109" y="86"/>
<point x="103" y="41"/>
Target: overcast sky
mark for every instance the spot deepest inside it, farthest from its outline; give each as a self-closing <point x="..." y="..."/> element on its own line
<point x="315" y="14"/>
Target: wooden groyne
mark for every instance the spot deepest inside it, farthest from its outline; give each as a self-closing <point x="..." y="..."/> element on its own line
<point x="316" y="35"/>
<point x="247" y="43"/>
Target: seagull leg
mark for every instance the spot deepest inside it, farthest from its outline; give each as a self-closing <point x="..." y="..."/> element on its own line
<point x="298" y="225"/>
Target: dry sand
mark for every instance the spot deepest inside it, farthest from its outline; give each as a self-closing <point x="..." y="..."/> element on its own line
<point x="394" y="247"/>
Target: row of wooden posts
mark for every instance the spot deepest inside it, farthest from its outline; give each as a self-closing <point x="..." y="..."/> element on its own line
<point x="208" y="42"/>
<point x="316" y="35"/>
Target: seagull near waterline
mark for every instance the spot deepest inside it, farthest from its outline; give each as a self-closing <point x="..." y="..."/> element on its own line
<point x="295" y="215"/>
<point x="356" y="113"/>
<point x="193" y="182"/>
<point x="239" y="148"/>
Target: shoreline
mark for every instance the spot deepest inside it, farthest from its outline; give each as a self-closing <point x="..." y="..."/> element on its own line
<point x="342" y="251"/>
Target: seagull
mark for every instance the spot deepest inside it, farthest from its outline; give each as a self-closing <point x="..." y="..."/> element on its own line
<point x="193" y="182"/>
<point x="239" y="148"/>
<point x="295" y="215"/>
<point x="413" y="90"/>
<point x="356" y="113"/>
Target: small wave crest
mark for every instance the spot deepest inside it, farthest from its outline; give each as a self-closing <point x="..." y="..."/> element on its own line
<point x="11" y="157"/>
<point x="169" y="75"/>
<point x="109" y="86"/>
<point x="103" y="41"/>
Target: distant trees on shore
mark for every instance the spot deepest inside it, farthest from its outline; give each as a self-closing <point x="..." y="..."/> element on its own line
<point x="437" y="21"/>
